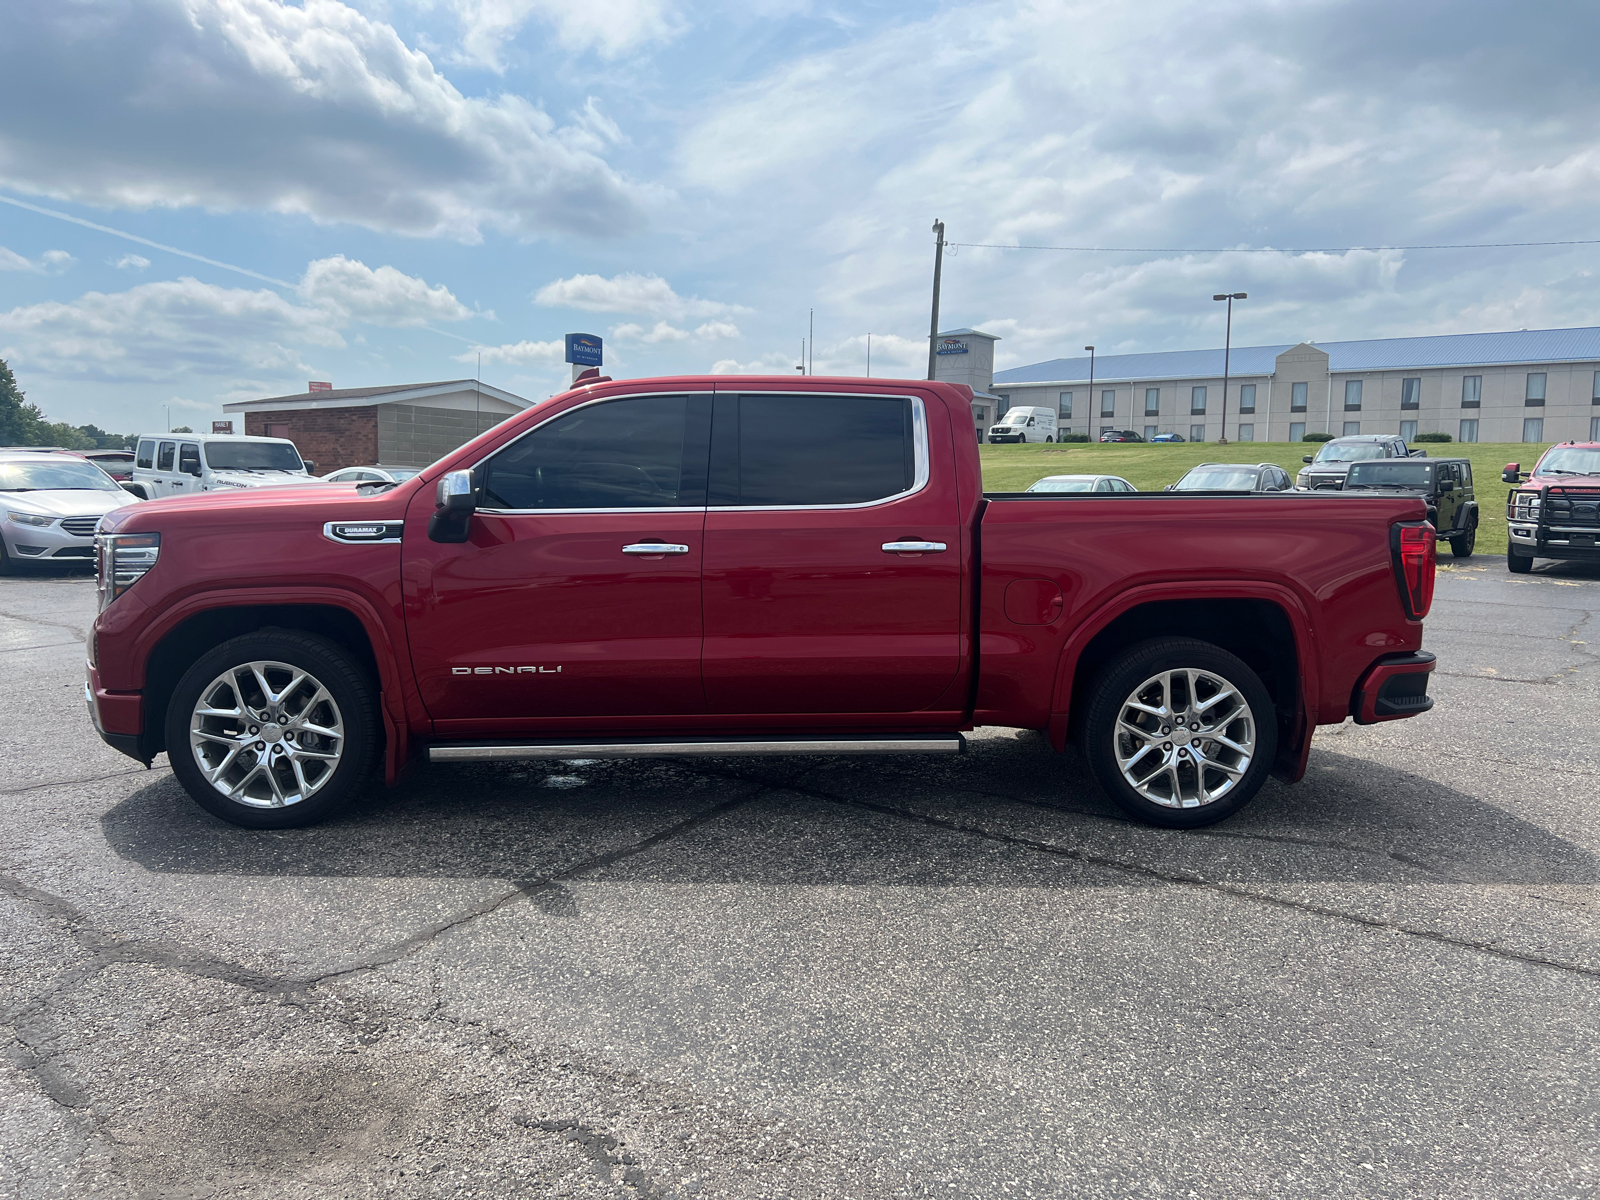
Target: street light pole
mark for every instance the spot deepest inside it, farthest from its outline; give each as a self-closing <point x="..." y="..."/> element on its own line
<point x="1092" y="404"/>
<point x="1227" y="346"/>
<point x="938" y="267"/>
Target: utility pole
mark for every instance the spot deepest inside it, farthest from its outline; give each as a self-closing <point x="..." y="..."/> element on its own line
<point x="869" y="356"/>
<point x="802" y="367"/>
<point x="938" y="268"/>
<point x="811" y="341"/>
<point x="1227" y="346"/>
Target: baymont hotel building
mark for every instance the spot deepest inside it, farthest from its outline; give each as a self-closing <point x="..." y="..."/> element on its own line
<point x="1533" y="385"/>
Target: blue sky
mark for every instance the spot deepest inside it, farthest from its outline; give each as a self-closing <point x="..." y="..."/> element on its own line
<point x="428" y="180"/>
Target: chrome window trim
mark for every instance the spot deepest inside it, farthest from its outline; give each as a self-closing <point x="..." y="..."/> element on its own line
<point x="921" y="458"/>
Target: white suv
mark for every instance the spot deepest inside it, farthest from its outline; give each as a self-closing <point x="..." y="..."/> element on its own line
<point x="176" y="464"/>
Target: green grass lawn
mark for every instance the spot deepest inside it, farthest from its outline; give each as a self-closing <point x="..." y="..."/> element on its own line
<point x="1150" y="467"/>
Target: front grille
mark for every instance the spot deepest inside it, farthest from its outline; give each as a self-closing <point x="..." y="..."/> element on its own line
<point x="1574" y="508"/>
<point x="80" y="526"/>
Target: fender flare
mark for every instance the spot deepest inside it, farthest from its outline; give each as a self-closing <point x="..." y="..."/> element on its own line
<point x="1291" y="766"/>
<point x="392" y="682"/>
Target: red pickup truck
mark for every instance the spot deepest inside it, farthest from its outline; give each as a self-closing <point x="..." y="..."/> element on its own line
<point x="732" y="566"/>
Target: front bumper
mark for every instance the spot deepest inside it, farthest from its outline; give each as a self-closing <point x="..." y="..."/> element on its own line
<point x="50" y="543"/>
<point x="1565" y="544"/>
<point x="118" y="717"/>
<point x="1395" y="687"/>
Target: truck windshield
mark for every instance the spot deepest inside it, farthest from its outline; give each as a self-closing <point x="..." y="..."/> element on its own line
<point x="1218" y="479"/>
<point x="64" y="476"/>
<point x="1570" y="460"/>
<point x="1395" y="472"/>
<point x="253" y="456"/>
<point x="1350" y="451"/>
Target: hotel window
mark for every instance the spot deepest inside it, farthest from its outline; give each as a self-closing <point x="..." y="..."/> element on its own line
<point x="1352" y="395"/>
<point x="1297" y="431"/>
<point x="1534" y="396"/>
<point x="1152" y="402"/>
<point x="1471" y="391"/>
<point x="1594" y="429"/>
<point x="1197" y="401"/>
<point x="1149" y="433"/>
<point x="1469" y="430"/>
<point x="1247" y="433"/>
<point x="1533" y="429"/>
<point x="1005" y="404"/>
<point x="1108" y="403"/>
<point x="1297" y="397"/>
<point x="1408" y="431"/>
<point x="1065" y="409"/>
<point x="1411" y="393"/>
<point x="1197" y="433"/>
<point x="1247" y="400"/>
<point x="1596" y="399"/>
<point x="1351" y="429"/>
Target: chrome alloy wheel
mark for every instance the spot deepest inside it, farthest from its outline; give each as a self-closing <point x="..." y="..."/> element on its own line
<point x="266" y="734"/>
<point x="1184" y="738"/>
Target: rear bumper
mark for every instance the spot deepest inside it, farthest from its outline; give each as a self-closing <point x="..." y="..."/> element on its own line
<point x="1393" y="688"/>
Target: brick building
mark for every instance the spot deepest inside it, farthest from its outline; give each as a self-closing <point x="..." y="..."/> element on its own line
<point x="407" y="425"/>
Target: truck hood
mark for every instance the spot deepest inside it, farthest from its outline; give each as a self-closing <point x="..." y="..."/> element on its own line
<point x="74" y="502"/>
<point x="255" y="479"/>
<point x="1580" y="481"/>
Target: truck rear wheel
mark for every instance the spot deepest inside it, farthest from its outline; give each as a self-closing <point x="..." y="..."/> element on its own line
<point x="273" y="730"/>
<point x="1180" y="732"/>
<point x="1462" y="547"/>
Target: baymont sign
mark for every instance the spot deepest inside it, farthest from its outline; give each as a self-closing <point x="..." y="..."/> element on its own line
<point x="952" y="346"/>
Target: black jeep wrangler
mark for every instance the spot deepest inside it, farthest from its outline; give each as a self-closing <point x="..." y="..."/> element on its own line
<point x="1445" y="483"/>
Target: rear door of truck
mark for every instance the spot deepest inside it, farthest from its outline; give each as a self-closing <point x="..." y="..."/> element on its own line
<point x="833" y="555"/>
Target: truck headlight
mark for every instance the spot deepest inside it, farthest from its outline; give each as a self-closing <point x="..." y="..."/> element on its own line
<point x="121" y="560"/>
<point x="30" y="519"/>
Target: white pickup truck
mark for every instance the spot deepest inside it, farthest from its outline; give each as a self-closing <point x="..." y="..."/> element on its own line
<point x="170" y="464"/>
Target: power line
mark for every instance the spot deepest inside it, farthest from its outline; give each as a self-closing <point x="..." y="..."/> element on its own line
<point x="1272" y="249"/>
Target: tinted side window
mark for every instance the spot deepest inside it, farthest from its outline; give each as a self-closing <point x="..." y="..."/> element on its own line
<point x="164" y="458"/>
<point x="636" y="452"/>
<point x="795" y="449"/>
<point x="189" y="458"/>
<point x="146" y="457"/>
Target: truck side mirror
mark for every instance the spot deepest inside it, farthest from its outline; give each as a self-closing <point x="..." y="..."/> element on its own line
<point x="1511" y="473"/>
<point x="311" y="467"/>
<point x="1305" y="458"/>
<point x="457" y="498"/>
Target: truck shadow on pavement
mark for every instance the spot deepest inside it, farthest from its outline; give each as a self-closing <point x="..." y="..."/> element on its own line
<point x="1008" y="813"/>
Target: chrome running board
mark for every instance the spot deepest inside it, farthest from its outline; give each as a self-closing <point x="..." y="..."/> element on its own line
<point x="676" y="747"/>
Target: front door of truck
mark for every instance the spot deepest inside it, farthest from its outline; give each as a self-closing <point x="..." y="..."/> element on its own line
<point x="809" y="609"/>
<point x="559" y="606"/>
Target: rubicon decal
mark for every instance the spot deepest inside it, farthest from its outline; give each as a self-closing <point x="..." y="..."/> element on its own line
<point x="505" y="670"/>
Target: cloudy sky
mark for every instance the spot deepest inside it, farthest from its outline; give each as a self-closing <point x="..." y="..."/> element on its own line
<point x="381" y="191"/>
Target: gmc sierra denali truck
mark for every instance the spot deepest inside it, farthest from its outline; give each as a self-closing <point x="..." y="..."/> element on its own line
<point x="732" y="566"/>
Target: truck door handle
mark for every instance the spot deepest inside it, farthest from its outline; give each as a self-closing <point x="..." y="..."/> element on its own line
<point x="913" y="547"/>
<point x="655" y="548"/>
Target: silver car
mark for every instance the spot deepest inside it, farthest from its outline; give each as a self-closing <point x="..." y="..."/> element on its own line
<point x="1083" y="483"/>
<point x="50" y="505"/>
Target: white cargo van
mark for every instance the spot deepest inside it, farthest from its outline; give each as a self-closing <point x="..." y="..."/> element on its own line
<point x="1025" y="424"/>
<point x="176" y="464"/>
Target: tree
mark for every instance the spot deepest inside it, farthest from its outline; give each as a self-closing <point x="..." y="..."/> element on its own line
<point x="20" y="422"/>
<point x="181" y="429"/>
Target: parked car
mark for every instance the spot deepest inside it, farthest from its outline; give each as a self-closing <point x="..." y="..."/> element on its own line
<point x="1083" y="483"/>
<point x="116" y="463"/>
<point x="1330" y="463"/>
<point x="1555" y="510"/>
<point x="1025" y="424"/>
<point x="758" y="565"/>
<point x="1120" y="435"/>
<point x="372" y="475"/>
<point x="1233" y="477"/>
<point x="1443" y="484"/>
<point x="169" y="464"/>
<point x="50" y="506"/>
<point x="1168" y="437"/>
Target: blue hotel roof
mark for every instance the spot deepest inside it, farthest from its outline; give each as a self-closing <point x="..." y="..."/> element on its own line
<point x="1531" y="346"/>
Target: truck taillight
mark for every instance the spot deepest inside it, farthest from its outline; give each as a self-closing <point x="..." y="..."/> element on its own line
<point x="121" y="560"/>
<point x="1414" y="561"/>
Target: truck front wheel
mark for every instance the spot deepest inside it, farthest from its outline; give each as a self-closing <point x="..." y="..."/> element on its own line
<point x="272" y="730"/>
<point x="1518" y="564"/>
<point x="1180" y="732"/>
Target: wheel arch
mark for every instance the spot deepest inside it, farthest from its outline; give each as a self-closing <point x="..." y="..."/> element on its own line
<point x="1265" y="625"/>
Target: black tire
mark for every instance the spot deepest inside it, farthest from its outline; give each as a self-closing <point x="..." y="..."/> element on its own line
<point x="352" y="693"/>
<point x="8" y="565"/>
<point x="1048" y="439"/>
<point x="1518" y="564"/>
<point x="1116" y="684"/>
<point x="1463" y="546"/>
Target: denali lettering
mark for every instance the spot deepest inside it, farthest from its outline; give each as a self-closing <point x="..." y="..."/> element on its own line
<point x="505" y="670"/>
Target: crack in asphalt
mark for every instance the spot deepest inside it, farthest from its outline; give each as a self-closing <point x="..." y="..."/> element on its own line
<point x="36" y="787"/>
<point x="75" y="630"/>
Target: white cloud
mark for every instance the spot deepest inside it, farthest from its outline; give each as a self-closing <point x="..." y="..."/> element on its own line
<point x="51" y="262"/>
<point x="130" y="262"/>
<point x="767" y="364"/>
<point x="609" y="28"/>
<point x="648" y="295"/>
<point x="352" y="291"/>
<point x="713" y="330"/>
<point x="518" y="353"/>
<point x="312" y="109"/>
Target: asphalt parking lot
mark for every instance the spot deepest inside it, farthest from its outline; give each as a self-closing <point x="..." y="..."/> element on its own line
<point x="952" y="978"/>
